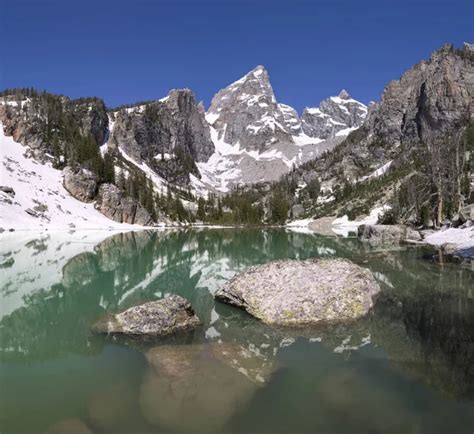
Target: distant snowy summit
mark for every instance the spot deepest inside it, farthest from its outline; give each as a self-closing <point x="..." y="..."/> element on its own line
<point x="258" y="139"/>
<point x="336" y="116"/>
<point x="247" y="113"/>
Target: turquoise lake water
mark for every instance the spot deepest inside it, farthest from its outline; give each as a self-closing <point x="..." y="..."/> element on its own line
<point x="408" y="367"/>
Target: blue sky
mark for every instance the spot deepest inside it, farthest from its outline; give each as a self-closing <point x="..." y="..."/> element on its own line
<point x="125" y="51"/>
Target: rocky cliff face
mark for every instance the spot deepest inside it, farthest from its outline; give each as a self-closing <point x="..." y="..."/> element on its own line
<point x="431" y="101"/>
<point x="417" y="132"/>
<point x="40" y="120"/>
<point x="335" y="116"/>
<point x="170" y="135"/>
<point x="113" y="204"/>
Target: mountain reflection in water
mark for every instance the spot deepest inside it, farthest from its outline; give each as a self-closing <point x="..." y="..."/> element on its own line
<point x="406" y="367"/>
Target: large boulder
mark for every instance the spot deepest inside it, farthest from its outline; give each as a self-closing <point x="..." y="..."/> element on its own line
<point x="113" y="204"/>
<point x="467" y="213"/>
<point x="387" y="234"/>
<point x="80" y="183"/>
<point x="155" y="318"/>
<point x="295" y="293"/>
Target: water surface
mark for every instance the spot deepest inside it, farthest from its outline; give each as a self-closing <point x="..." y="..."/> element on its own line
<point x="407" y="367"/>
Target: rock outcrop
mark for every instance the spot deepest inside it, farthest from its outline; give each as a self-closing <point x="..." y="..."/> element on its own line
<point x="156" y="318"/>
<point x="417" y="133"/>
<point x="123" y="209"/>
<point x="170" y="135"/>
<point x="40" y="119"/>
<point x="266" y="138"/>
<point x="80" y="183"/>
<point x="467" y="213"/>
<point x="298" y="293"/>
<point x="432" y="101"/>
<point x="387" y="234"/>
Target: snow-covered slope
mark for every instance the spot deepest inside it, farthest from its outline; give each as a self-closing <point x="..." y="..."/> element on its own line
<point x="39" y="199"/>
<point x="258" y="139"/>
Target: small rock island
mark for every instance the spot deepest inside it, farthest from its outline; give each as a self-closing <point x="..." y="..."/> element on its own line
<point x="155" y="318"/>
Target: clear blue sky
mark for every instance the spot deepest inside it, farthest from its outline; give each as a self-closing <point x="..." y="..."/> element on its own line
<point x="125" y="51"/>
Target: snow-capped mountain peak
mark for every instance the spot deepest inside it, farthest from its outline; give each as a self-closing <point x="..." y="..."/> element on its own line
<point x="246" y="113"/>
<point x="343" y="94"/>
<point x="258" y="139"/>
<point x="335" y="116"/>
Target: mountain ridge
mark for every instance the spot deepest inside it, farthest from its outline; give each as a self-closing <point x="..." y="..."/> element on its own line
<point x="248" y="137"/>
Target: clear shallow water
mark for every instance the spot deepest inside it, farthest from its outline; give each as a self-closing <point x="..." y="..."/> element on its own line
<point x="408" y="367"/>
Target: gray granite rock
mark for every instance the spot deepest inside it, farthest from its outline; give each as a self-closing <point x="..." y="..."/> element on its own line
<point x="387" y="234"/>
<point x="298" y="293"/>
<point x="170" y="135"/>
<point x="80" y="183"/>
<point x="467" y="213"/>
<point x="155" y="318"/>
<point x="122" y="209"/>
<point x="189" y="386"/>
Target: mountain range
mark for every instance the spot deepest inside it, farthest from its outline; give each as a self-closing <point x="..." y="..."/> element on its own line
<point x="126" y="162"/>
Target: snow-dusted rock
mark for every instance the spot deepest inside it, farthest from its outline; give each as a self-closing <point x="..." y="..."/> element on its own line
<point x="296" y="293"/>
<point x="155" y="318"/>
<point x="8" y="190"/>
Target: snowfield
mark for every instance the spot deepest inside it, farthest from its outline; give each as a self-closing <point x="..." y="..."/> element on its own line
<point x="40" y="201"/>
<point x="343" y="226"/>
<point x="463" y="239"/>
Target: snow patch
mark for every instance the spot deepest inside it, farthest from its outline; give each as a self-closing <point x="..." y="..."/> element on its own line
<point x="343" y="226"/>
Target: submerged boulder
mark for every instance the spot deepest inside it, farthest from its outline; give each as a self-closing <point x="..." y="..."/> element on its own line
<point x="188" y="388"/>
<point x="69" y="426"/>
<point x="155" y="318"/>
<point x="296" y="293"/>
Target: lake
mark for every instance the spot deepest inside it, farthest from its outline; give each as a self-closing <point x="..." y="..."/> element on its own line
<point x="408" y="367"/>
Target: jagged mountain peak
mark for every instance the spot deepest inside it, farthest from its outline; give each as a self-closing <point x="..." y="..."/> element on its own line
<point x="343" y="94"/>
<point x="256" y="83"/>
<point x="246" y="112"/>
<point x="258" y="73"/>
<point x="335" y="116"/>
